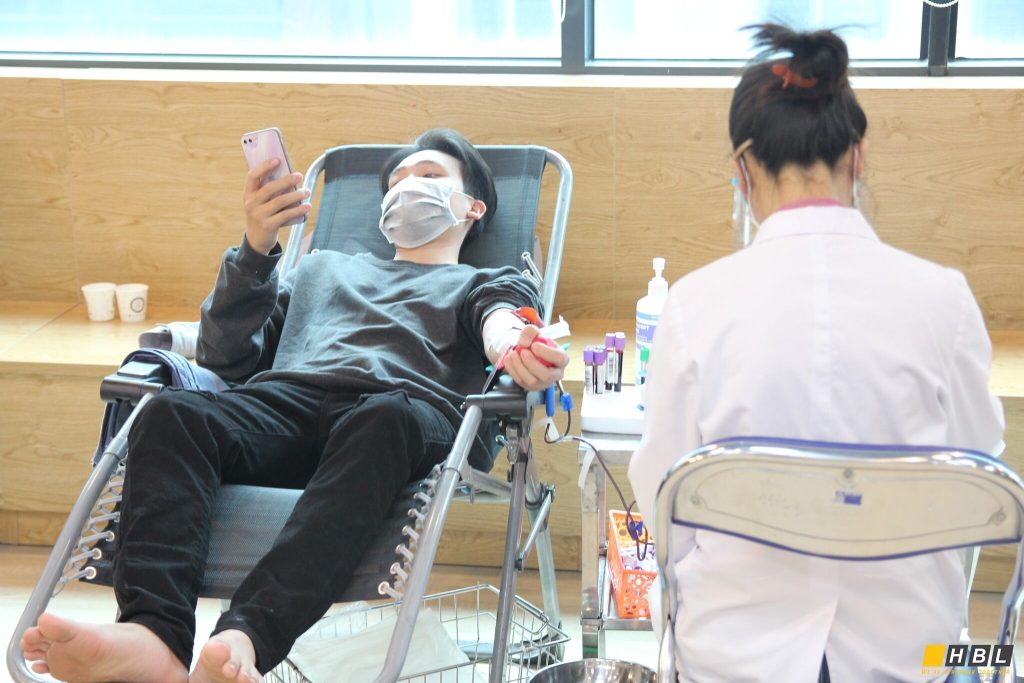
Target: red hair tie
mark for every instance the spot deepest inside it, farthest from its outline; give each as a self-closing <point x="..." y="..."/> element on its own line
<point x="788" y="76"/>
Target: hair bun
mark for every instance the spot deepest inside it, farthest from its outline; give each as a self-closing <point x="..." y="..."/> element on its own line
<point x="820" y="57"/>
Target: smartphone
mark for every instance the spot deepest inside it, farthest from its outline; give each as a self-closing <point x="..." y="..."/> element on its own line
<point x="268" y="143"/>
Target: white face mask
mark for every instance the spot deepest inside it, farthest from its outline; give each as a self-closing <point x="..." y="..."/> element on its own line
<point x="417" y="210"/>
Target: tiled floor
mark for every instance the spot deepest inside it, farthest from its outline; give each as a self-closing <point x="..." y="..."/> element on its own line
<point x="20" y="567"/>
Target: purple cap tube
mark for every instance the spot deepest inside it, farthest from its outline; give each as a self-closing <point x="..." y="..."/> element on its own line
<point x="600" y="357"/>
<point x="620" y="346"/>
<point x="612" y="363"/>
<point x="589" y="371"/>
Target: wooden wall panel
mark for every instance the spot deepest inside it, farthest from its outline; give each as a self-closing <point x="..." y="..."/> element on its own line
<point x="9" y="527"/>
<point x="42" y="469"/>
<point x="137" y="180"/>
<point x="37" y="256"/>
<point x="179" y="144"/>
<point x="39" y="528"/>
<point x="944" y="181"/>
<point x="672" y="191"/>
<point x="149" y="175"/>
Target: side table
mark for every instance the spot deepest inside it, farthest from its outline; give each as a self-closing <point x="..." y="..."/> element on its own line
<point x="598" y="612"/>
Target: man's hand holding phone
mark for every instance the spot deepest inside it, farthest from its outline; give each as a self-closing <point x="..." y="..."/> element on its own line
<point x="272" y="205"/>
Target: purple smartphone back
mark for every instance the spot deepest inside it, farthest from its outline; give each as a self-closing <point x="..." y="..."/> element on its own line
<point x="261" y="145"/>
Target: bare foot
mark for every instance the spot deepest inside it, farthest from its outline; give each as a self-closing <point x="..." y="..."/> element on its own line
<point x="227" y="657"/>
<point x="91" y="653"/>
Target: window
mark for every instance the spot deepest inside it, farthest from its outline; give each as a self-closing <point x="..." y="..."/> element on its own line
<point x="286" y="28"/>
<point x="886" y="37"/>
<point x="694" y="30"/>
<point x="990" y="29"/>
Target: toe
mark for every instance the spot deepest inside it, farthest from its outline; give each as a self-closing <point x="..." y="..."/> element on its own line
<point x="55" y="629"/>
<point x="32" y="638"/>
<point x="230" y="668"/>
<point x="41" y="667"/>
<point x="215" y="656"/>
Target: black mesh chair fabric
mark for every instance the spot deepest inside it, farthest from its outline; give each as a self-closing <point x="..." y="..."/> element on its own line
<point x="247" y="519"/>
<point x="350" y="206"/>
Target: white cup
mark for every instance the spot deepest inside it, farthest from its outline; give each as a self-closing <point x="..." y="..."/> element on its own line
<point x="131" y="302"/>
<point x="99" y="299"/>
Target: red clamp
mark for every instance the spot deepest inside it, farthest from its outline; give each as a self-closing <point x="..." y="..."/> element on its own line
<point x="531" y="317"/>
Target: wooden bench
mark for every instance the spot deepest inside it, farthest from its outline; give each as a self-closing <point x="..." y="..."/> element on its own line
<point x="52" y="359"/>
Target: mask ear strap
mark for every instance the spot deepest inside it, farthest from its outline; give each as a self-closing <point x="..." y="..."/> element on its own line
<point x="738" y="156"/>
<point x="746" y="177"/>
<point x="855" y="180"/>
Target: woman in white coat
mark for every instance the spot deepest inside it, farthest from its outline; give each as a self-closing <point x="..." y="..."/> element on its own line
<point x="817" y="330"/>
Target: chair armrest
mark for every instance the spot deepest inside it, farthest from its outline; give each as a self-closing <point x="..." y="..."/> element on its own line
<point x="505" y="399"/>
<point x="133" y="380"/>
<point x="146" y="371"/>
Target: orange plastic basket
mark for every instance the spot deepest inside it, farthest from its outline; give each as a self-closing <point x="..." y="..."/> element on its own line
<point x="629" y="586"/>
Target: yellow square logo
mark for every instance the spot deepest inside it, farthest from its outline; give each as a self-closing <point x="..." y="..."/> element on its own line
<point x="934" y="656"/>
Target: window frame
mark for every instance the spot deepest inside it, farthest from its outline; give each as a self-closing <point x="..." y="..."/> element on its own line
<point x="937" y="57"/>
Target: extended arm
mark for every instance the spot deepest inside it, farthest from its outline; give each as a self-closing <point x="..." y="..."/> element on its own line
<point x="241" y="319"/>
<point x="503" y="330"/>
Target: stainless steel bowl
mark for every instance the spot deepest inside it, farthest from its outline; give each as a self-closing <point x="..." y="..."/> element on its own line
<point x="595" y="671"/>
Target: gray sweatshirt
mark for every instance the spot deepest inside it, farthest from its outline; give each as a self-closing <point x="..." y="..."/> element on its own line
<point x="357" y="324"/>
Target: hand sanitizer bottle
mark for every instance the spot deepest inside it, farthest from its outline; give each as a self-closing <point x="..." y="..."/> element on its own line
<point x="648" y="310"/>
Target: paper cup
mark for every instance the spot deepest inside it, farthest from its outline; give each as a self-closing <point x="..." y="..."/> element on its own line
<point x="99" y="299"/>
<point x="131" y="302"/>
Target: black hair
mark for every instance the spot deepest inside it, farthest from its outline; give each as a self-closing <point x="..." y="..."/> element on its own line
<point x="477" y="177"/>
<point x="798" y="109"/>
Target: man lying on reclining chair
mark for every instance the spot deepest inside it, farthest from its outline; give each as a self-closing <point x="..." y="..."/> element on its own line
<point x="354" y="370"/>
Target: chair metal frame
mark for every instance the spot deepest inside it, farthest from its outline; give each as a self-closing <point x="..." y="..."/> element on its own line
<point x="506" y="402"/>
<point x="831" y="493"/>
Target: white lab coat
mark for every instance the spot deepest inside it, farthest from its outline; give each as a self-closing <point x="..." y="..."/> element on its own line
<point x="816" y="331"/>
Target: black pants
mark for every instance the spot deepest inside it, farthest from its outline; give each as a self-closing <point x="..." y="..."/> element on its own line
<point x="351" y="453"/>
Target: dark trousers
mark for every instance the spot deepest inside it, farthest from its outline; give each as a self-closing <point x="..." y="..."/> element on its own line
<point x="350" y="453"/>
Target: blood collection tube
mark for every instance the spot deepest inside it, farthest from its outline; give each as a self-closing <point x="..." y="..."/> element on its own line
<point x="611" y="366"/>
<point x="620" y="348"/>
<point x="588" y="369"/>
<point x="600" y="357"/>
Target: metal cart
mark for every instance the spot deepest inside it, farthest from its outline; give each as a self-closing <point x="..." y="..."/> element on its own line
<point x="469" y="617"/>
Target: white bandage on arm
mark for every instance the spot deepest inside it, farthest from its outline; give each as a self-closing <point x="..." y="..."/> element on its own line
<point x="501" y="330"/>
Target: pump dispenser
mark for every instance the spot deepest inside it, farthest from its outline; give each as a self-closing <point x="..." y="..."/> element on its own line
<point x="648" y="310"/>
